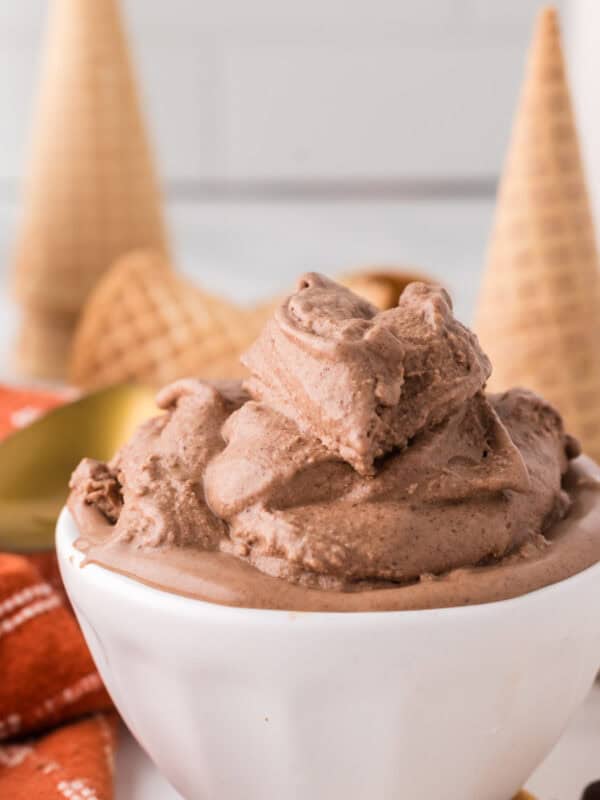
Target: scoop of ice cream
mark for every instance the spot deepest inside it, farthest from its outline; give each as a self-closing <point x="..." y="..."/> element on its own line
<point x="360" y="381"/>
<point x="462" y="492"/>
<point x="362" y="452"/>
<point x="98" y="484"/>
<point x="154" y="486"/>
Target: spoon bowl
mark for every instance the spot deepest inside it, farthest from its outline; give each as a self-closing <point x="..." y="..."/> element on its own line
<point x="37" y="461"/>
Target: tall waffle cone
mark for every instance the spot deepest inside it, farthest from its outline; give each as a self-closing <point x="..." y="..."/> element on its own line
<point x="142" y="322"/>
<point x="44" y="343"/>
<point x="92" y="193"/>
<point x="539" y="310"/>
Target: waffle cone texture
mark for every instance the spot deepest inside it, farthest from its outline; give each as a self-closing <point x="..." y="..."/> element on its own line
<point x="539" y="309"/>
<point x="91" y="194"/>
<point x="145" y="323"/>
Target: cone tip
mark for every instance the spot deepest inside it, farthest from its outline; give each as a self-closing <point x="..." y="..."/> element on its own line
<point x="547" y="20"/>
<point x="545" y="50"/>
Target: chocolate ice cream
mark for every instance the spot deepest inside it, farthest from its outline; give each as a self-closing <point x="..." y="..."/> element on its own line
<point x="360" y="467"/>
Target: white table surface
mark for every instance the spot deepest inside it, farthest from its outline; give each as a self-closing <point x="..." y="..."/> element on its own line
<point x="249" y="251"/>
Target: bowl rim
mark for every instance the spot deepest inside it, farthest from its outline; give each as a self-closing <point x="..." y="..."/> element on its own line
<point x="70" y="558"/>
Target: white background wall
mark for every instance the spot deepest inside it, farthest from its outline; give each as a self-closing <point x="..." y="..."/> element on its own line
<point x="315" y="134"/>
<point x="374" y="91"/>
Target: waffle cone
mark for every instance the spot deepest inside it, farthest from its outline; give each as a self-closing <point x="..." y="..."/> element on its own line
<point x="91" y="194"/>
<point x="43" y="344"/>
<point x="143" y="322"/>
<point x="539" y="309"/>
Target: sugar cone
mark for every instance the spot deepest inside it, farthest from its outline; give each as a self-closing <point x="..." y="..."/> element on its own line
<point x="142" y="322"/>
<point x="92" y="193"/>
<point x="539" y="309"/>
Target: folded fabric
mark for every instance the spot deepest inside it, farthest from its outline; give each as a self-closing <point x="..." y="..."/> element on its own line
<point x="48" y="675"/>
<point x="74" y="762"/>
<point x="56" y="739"/>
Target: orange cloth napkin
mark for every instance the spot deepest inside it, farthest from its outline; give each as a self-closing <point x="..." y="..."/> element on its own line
<point x="56" y="739"/>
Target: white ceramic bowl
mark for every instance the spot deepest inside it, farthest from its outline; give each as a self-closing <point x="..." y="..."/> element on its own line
<point x="240" y="704"/>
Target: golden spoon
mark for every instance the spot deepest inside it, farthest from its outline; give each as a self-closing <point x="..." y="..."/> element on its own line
<point x="36" y="462"/>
